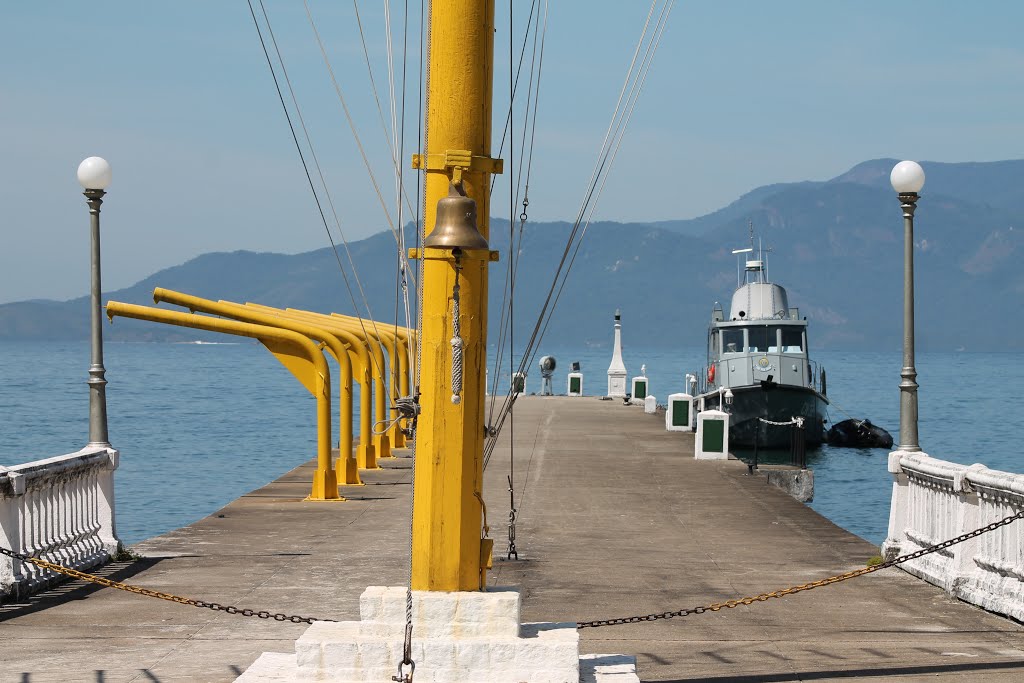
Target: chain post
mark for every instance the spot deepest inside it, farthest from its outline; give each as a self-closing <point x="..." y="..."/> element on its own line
<point x="512" y="552"/>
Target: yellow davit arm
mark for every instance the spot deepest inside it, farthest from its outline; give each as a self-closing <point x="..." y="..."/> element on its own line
<point x="301" y="356"/>
<point x="370" y="446"/>
<point x="347" y="467"/>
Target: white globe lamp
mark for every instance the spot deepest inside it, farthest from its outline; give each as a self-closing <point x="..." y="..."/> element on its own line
<point x="94" y="173"/>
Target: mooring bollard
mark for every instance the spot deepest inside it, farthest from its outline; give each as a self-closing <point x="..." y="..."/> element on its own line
<point x="712" y="442"/>
<point x="650" y="405"/>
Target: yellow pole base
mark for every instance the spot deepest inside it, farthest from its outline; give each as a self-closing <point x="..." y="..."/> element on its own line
<point x="383" y="444"/>
<point x="347" y="469"/>
<point x="351" y="469"/>
<point x="325" y="486"/>
<point x="366" y="457"/>
<point x="400" y="441"/>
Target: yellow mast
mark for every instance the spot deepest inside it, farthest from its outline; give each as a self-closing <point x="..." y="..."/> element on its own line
<point x="448" y="553"/>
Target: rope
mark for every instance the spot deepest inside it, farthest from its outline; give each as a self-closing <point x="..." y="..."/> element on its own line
<point x="456" y="340"/>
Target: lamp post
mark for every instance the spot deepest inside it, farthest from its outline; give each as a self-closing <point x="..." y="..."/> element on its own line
<point x="907" y="179"/>
<point x="94" y="175"/>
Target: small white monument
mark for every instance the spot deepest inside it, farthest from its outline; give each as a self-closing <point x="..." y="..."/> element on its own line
<point x="617" y="369"/>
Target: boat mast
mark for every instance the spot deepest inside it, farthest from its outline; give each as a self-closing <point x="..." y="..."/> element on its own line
<point x="448" y="553"/>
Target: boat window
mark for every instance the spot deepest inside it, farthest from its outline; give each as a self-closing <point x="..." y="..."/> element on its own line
<point x="732" y="340"/>
<point x="792" y="340"/>
<point x="713" y="346"/>
<point x="763" y="339"/>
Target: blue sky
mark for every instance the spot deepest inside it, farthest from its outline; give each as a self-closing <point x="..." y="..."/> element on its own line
<point x="178" y="98"/>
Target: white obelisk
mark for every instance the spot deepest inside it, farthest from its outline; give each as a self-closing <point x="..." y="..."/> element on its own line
<point x="617" y="369"/>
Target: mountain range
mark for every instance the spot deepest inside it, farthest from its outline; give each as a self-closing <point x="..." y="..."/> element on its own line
<point x="836" y="245"/>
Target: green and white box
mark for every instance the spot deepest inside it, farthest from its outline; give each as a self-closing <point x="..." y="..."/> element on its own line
<point x="574" y="386"/>
<point x="679" y="414"/>
<point x="712" y="442"/>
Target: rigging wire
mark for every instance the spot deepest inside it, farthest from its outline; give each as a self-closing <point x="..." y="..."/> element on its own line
<point x="348" y="117"/>
<point x="403" y="263"/>
<point x="396" y="158"/>
<point x="513" y="251"/>
<point x="373" y="180"/>
<point x="634" y="95"/>
<point x="613" y="138"/>
<point x="637" y="84"/>
<point x="298" y="148"/>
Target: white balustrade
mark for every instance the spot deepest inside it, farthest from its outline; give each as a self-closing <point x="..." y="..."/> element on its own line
<point x="933" y="501"/>
<point x="59" y="509"/>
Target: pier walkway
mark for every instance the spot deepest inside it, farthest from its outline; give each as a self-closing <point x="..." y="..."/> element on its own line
<point x="616" y="518"/>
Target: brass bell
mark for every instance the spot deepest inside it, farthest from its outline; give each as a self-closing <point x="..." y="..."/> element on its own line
<point x="455" y="227"/>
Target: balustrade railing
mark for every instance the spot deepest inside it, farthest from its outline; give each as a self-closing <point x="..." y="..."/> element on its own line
<point x="934" y="500"/>
<point x="60" y="509"/>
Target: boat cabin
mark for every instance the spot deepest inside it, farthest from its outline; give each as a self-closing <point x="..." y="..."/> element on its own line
<point x="746" y="352"/>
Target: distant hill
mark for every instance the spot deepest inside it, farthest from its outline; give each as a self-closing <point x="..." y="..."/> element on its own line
<point x="837" y="246"/>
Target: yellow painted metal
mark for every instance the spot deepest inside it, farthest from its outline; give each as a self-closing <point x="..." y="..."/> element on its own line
<point x="398" y="355"/>
<point x="446" y="543"/>
<point x="358" y="348"/>
<point x="305" y="360"/>
<point x="444" y="254"/>
<point x="382" y="442"/>
<point x="347" y="467"/>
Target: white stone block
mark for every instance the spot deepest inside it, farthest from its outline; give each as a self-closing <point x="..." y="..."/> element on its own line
<point x="371" y="603"/>
<point x="686" y="401"/>
<point x="271" y="667"/>
<point x="473" y="655"/>
<point x="650" y="405"/>
<point x="433" y="614"/>
<point x="608" y="669"/>
<point x="709" y="422"/>
<point x="357" y="651"/>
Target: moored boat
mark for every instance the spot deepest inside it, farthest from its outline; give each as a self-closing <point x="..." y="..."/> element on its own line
<point x="759" y="366"/>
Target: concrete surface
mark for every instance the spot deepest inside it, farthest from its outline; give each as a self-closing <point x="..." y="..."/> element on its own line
<point x="616" y="518"/>
<point x="793" y="480"/>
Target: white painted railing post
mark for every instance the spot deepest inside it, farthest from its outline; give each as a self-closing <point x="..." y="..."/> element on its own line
<point x="934" y="501"/>
<point x="105" y="509"/>
<point x="896" y="540"/>
<point x="59" y="509"/>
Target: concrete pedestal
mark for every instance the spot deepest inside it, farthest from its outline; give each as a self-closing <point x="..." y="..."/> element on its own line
<point x="461" y="637"/>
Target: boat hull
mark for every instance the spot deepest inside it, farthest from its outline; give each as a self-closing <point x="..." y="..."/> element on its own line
<point x="781" y="403"/>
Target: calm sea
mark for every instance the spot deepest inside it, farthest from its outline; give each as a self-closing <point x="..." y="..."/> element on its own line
<point x="198" y="425"/>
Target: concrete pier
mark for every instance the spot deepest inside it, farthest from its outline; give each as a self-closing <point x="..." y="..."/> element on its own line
<point x="616" y="518"/>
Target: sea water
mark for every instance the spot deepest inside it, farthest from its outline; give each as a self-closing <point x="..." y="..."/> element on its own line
<point x="198" y="425"/>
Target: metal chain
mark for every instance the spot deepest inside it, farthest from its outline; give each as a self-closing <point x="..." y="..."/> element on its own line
<point x="108" y="583"/>
<point x="729" y="604"/>
<point x="512" y="552"/>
